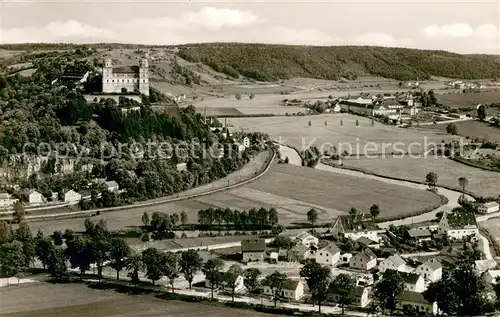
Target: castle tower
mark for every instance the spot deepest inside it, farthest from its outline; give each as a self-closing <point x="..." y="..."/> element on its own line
<point x="107" y="75"/>
<point x="144" y="76"/>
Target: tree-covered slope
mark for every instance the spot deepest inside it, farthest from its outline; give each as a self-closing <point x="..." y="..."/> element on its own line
<point x="273" y="62"/>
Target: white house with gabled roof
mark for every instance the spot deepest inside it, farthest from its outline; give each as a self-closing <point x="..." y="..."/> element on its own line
<point x="431" y="270"/>
<point x="306" y="239"/>
<point x="394" y="262"/>
<point x="488" y="208"/>
<point x="71" y="196"/>
<point x="329" y="255"/>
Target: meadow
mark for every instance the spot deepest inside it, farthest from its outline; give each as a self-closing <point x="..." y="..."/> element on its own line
<point x="292" y="190"/>
<point x="463" y="100"/>
<point x="471" y="129"/>
<point x="76" y="300"/>
<point x="340" y="130"/>
<point x="481" y="182"/>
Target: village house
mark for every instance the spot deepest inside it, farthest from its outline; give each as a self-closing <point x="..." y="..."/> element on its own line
<point x="417" y="302"/>
<point x="112" y="186"/>
<point x="488" y="208"/>
<point x="6" y="201"/>
<point x="431" y="270"/>
<point x="292" y="290"/>
<point x="364" y="242"/>
<point x="491" y="276"/>
<point x="481" y="266"/>
<point x="328" y="255"/>
<point x="364" y="260"/>
<point x="420" y="235"/>
<point x="412" y="282"/>
<point x="181" y="167"/>
<point x="394" y="262"/>
<point x="361" y="226"/>
<point x="307" y="239"/>
<point x="458" y="225"/>
<point x="361" y="293"/>
<point x="224" y="285"/>
<point x="71" y="196"/>
<point x="33" y="198"/>
<point x="253" y="250"/>
<point x="297" y="253"/>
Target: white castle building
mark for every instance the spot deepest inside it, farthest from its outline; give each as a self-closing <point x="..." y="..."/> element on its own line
<point x="129" y="78"/>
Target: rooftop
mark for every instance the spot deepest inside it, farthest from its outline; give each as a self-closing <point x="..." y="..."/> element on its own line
<point x="491" y="204"/>
<point x="332" y="248"/>
<point x="257" y="245"/>
<point x="367" y="254"/>
<point x="365" y="241"/>
<point x="409" y="278"/>
<point x="396" y="259"/>
<point x="412" y="297"/>
<point x="291" y="285"/>
<point x="419" y="233"/>
<point x="303" y="235"/>
<point x="433" y="264"/>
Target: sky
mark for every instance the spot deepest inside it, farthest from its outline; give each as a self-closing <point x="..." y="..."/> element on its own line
<point x="458" y="26"/>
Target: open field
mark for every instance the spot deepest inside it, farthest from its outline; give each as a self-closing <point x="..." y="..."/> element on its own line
<point x="292" y="190"/>
<point x="493" y="227"/>
<point x="472" y="129"/>
<point x="294" y="131"/>
<point x="75" y="300"/>
<point x="481" y="182"/>
<point x="462" y="100"/>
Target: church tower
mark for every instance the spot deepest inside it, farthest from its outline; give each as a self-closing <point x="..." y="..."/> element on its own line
<point x="144" y="76"/>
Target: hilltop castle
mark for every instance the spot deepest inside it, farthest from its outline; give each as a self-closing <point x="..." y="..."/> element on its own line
<point x="129" y="79"/>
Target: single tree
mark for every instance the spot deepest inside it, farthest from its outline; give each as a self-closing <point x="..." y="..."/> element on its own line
<point x="171" y="268"/>
<point x="312" y="216"/>
<point x="154" y="262"/>
<point x="145" y="219"/>
<point x="431" y="180"/>
<point x="276" y="281"/>
<point x="19" y="212"/>
<point x="374" y="211"/>
<point x="184" y="218"/>
<point x="373" y="122"/>
<point x="314" y="273"/>
<point x="463" y="182"/>
<point x="451" y="128"/>
<point x="353" y="212"/>
<point x="326" y="123"/>
<point x="12" y="258"/>
<point x="43" y="248"/>
<point x="357" y="122"/>
<point x="344" y="286"/>
<point x="341" y="123"/>
<point x="273" y="216"/>
<point x="252" y="95"/>
<point x="287" y="160"/>
<point x="212" y="270"/>
<point x="190" y="263"/>
<point x="57" y="237"/>
<point x="320" y="292"/>
<point x="134" y="265"/>
<point x="309" y="123"/>
<point x="119" y="251"/>
<point x="231" y="278"/>
<point x="251" y="280"/>
<point x="237" y="96"/>
<point x="78" y="253"/>
<point x="388" y="290"/>
<point x="57" y="267"/>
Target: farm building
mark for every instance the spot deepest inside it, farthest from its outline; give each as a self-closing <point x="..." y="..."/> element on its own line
<point x="488" y="208"/>
<point x="431" y="270"/>
<point x="364" y="260"/>
<point x="420" y="235"/>
<point x="360" y="226"/>
<point x="458" y="225"/>
<point x="368" y="243"/>
<point x="71" y="196"/>
<point x="361" y="293"/>
<point x="394" y="262"/>
<point x="223" y="284"/>
<point x="297" y="253"/>
<point x="413" y="282"/>
<point x="328" y="255"/>
<point x="253" y="250"/>
<point x="416" y="301"/>
<point x="307" y="239"/>
<point x="292" y="290"/>
<point x="33" y="197"/>
<point x="6" y="200"/>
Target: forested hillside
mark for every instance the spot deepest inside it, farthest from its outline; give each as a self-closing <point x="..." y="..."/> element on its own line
<point x="273" y="62"/>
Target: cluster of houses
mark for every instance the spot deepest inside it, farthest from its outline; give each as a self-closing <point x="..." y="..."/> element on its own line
<point x="364" y="264"/>
<point x="33" y="198"/>
<point x="458" y="84"/>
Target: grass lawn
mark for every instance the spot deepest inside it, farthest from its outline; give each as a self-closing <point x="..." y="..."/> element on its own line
<point x="472" y="129"/>
<point x="365" y="138"/>
<point x="461" y="100"/>
<point x="76" y="300"/>
<point x="481" y="182"/>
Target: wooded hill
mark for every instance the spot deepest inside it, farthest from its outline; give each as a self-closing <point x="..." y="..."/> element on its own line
<point x="267" y="62"/>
